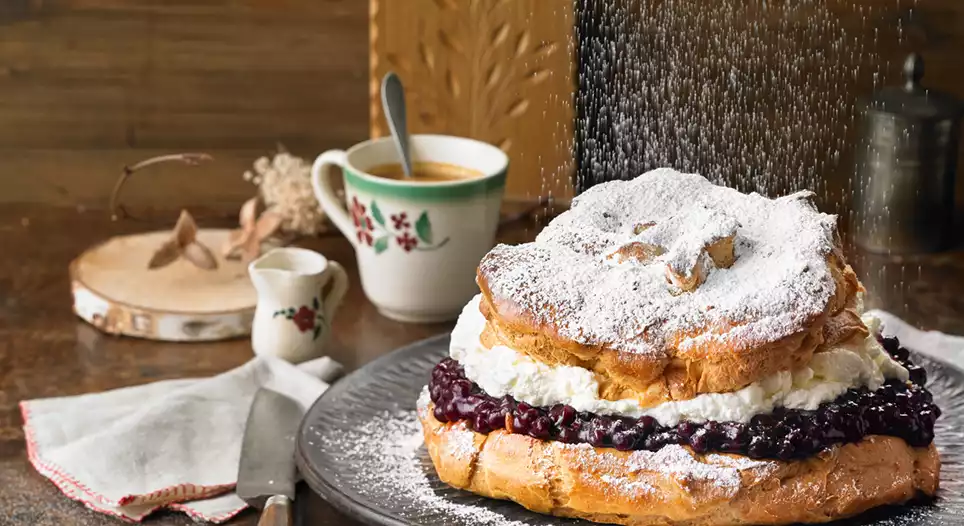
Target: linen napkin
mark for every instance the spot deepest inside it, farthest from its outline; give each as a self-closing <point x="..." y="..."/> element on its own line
<point x="946" y="347"/>
<point x="172" y="444"/>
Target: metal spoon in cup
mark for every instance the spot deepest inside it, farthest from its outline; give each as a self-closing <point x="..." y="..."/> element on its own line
<point x="393" y="104"/>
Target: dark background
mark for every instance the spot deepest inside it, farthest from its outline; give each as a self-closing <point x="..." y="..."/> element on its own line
<point x="760" y="95"/>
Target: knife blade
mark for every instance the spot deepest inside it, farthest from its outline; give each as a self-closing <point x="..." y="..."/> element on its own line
<point x="266" y="473"/>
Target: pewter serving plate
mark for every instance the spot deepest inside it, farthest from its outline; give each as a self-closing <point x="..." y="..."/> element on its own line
<point x="360" y="448"/>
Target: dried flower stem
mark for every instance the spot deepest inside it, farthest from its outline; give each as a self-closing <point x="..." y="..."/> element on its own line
<point x="116" y="209"/>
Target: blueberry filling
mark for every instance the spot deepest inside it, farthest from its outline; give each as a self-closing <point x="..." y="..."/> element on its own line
<point x="899" y="409"/>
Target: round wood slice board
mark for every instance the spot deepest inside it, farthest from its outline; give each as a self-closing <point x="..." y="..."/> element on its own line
<point x="115" y="291"/>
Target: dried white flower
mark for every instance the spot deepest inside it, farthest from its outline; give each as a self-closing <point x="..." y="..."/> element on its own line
<point x="283" y="161"/>
<point x="285" y="185"/>
<point x="262" y="165"/>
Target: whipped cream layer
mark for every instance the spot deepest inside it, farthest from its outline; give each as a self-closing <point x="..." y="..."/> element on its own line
<point x="503" y="371"/>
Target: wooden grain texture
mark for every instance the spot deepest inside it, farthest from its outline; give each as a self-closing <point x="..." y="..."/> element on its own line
<point x="277" y="513"/>
<point x="87" y="86"/>
<point x="115" y="289"/>
<point x="496" y="70"/>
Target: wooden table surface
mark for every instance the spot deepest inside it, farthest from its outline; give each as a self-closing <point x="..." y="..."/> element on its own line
<point x="46" y="351"/>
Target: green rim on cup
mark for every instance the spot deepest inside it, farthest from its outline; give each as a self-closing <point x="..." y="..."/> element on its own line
<point x="443" y="190"/>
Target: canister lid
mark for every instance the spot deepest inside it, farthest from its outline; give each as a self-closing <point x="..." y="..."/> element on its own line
<point x="913" y="101"/>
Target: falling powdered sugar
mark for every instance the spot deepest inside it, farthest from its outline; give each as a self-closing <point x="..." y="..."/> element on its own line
<point x="780" y="280"/>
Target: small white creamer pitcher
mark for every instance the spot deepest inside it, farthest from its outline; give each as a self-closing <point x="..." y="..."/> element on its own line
<point x="292" y="320"/>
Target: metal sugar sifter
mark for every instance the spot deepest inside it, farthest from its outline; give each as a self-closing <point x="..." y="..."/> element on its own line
<point x="906" y="161"/>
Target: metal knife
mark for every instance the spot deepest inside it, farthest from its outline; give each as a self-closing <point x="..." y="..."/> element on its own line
<point x="267" y="474"/>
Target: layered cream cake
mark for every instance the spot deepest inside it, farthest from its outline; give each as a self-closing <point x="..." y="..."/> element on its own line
<point x="669" y="351"/>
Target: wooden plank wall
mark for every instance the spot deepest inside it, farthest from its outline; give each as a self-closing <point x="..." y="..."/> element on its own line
<point x="87" y="86"/>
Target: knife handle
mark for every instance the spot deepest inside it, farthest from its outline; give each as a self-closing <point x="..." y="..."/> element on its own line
<point x="277" y="512"/>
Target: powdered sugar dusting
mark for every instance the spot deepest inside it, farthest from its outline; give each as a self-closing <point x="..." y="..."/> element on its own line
<point x="398" y="468"/>
<point x="779" y="282"/>
<point x="461" y="441"/>
<point x="684" y="236"/>
<point x="715" y="472"/>
<point x="738" y="462"/>
<point x="624" y="486"/>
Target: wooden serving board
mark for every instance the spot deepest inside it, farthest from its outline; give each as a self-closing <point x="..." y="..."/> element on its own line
<point x="115" y="291"/>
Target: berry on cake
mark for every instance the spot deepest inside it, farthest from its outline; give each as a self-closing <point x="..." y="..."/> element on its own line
<point x="669" y="351"/>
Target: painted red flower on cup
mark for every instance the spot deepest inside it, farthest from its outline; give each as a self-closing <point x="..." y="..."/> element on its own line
<point x="357" y="212"/>
<point x="378" y="229"/>
<point x="400" y="220"/>
<point x="305" y="318"/>
<point x="407" y="242"/>
<point x="363" y="223"/>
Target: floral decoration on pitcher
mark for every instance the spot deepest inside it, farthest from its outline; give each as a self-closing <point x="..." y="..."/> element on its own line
<point x="374" y="231"/>
<point x="305" y="318"/>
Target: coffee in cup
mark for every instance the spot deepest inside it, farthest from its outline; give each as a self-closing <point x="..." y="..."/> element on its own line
<point x="425" y="172"/>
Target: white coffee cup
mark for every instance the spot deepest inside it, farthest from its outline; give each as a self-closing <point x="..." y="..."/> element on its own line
<point x="418" y="244"/>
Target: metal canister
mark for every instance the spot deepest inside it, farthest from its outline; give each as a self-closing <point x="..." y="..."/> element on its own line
<point x="906" y="162"/>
